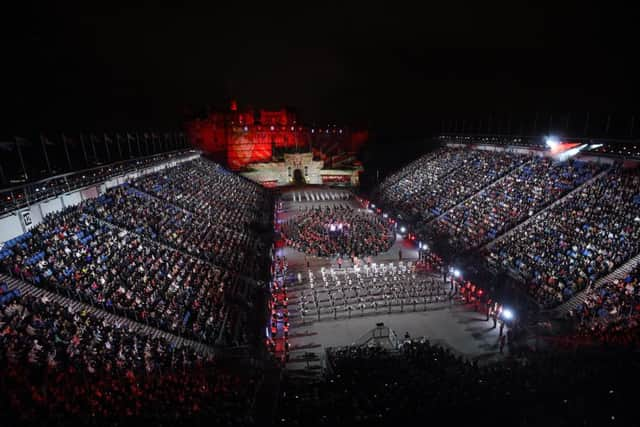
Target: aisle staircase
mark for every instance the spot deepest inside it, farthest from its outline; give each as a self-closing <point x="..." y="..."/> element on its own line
<point x="620" y="273"/>
<point x="523" y="224"/>
<point x="485" y="188"/>
<point x="246" y="279"/>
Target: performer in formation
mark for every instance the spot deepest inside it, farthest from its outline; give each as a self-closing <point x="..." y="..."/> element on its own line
<point x="332" y="231"/>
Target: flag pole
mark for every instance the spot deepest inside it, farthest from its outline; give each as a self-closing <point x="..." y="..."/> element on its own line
<point x="92" y="138"/>
<point x="66" y="151"/>
<point x="106" y="140"/>
<point x="24" y="169"/>
<point x="3" y="177"/>
<point x="84" y="150"/>
<point x="43" y="142"/>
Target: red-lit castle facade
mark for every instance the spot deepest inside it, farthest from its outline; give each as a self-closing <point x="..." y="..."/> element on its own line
<point x="246" y="138"/>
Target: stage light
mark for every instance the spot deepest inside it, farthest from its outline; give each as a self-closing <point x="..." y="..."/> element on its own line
<point x="272" y="128"/>
<point x="403" y="229"/>
<point x="456" y="273"/>
<point x="385" y="215"/>
<point x="372" y="205"/>
<point x="552" y="142"/>
<point x="246" y="128"/>
<point x="570" y="153"/>
<point x="507" y="314"/>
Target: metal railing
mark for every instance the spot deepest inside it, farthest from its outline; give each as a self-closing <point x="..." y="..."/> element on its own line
<point x="23" y="195"/>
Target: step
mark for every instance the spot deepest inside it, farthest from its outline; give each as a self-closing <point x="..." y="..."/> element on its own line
<point x="618" y="274"/>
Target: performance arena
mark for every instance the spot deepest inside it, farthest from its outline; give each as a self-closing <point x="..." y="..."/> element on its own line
<point x="488" y="273"/>
<point x="320" y="214"/>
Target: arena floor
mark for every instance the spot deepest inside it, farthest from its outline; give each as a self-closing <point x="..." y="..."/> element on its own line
<point x="454" y="325"/>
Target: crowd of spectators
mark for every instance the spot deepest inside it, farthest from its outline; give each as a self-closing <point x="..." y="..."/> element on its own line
<point x="198" y="208"/>
<point x="404" y="190"/>
<point x="611" y="312"/>
<point x="428" y="192"/>
<point x="196" y="235"/>
<point x="512" y="200"/>
<point x="77" y="256"/>
<point x="159" y="264"/>
<point x="178" y="250"/>
<point x="15" y="198"/>
<point x="584" y="237"/>
<point x="63" y="367"/>
<point x="338" y="230"/>
<point x="424" y="382"/>
<point x="208" y="190"/>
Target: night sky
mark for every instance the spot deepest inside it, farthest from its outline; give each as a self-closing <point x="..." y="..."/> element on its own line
<point x="392" y="67"/>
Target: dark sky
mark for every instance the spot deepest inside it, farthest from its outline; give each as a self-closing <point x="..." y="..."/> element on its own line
<point x="394" y="65"/>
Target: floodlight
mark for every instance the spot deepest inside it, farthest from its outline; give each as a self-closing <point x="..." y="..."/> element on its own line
<point x="552" y="142"/>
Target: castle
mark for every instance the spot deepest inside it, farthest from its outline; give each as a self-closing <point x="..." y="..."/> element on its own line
<point x="244" y="138"/>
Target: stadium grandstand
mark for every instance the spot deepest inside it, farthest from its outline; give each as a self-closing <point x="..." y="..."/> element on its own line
<point x="319" y="215"/>
<point x="168" y="289"/>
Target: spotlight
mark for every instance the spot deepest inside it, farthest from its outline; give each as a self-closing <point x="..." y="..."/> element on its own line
<point x="456" y="273"/>
<point x="552" y="142"/>
<point x="507" y="314"/>
<point x="403" y="229"/>
<point x="385" y="215"/>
